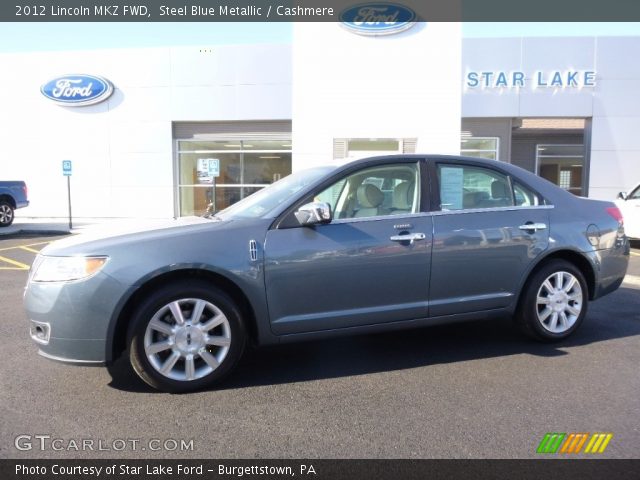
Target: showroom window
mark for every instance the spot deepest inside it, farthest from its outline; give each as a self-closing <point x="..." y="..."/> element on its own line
<point x="223" y="172"/>
<point x="562" y="165"/>
<point x="484" y="147"/>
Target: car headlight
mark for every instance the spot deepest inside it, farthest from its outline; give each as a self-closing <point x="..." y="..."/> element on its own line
<point x="66" y="269"/>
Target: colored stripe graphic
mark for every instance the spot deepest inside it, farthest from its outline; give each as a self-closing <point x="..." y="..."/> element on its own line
<point x="554" y="442"/>
<point x="598" y="443"/>
<point x="551" y="442"/>
<point x="574" y="442"/>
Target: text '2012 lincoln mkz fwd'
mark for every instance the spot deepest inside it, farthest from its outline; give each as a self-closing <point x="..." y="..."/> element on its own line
<point x="377" y="244"/>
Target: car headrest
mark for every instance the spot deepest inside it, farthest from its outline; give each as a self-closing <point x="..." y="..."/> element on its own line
<point x="369" y="196"/>
<point x="403" y="196"/>
<point x="499" y="189"/>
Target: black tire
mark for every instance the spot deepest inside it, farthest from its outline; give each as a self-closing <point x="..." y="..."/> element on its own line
<point x="533" y="317"/>
<point x="6" y="213"/>
<point x="158" y="302"/>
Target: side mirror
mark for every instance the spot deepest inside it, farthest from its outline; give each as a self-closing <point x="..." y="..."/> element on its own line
<point x="622" y="195"/>
<point x="314" y="213"/>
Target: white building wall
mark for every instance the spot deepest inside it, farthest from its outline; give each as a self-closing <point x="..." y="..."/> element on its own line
<point x="615" y="143"/>
<point x="122" y="149"/>
<point x="397" y="86"/>
<point x="614" y="102"/>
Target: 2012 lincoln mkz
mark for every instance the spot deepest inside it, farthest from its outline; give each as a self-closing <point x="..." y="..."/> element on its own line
<point x="374" y="245"/>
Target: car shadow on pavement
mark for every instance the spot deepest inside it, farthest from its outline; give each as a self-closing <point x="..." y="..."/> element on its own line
<point x="366" y="354"/>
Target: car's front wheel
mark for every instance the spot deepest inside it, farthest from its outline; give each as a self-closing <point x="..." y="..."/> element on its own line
<point x="6" y="214"/>
<point x="185" y="337"/>
<point x="554" y="302"/>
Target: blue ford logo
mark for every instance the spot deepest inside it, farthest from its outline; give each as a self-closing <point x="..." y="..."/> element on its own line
<point x="378" y="18"/>
<point x="77" y="90"/>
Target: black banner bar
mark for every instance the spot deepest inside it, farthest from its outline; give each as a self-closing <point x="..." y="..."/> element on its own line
<point x="312" y="10"/>
<point x="544" y="469"/>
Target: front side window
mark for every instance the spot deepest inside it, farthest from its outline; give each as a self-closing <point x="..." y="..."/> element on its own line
<point x="373" y="192"/>
<point x="468" y="187"/>
<point x="635" y="195"/>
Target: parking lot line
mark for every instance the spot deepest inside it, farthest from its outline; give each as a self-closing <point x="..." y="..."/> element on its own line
<point x="635" y="254"/>
<point x="21" y="266"/>
<point x="28" y="249"/>
<point x="24" y="246"/>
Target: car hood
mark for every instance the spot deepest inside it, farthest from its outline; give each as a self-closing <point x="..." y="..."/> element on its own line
<point x="92" y="238"/>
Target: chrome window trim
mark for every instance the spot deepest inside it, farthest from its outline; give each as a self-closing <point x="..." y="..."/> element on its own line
<point x="377" y="218"/>
<point x="493" y="209"/>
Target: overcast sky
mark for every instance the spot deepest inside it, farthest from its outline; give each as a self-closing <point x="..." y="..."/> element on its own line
<point x="16" y="37"/>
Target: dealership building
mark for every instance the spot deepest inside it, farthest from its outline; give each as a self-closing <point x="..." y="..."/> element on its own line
<point x="174" y="129"/>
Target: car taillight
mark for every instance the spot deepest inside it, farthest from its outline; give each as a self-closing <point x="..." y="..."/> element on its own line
<point x="25" y="190"/>
<point x="616" y="213"/>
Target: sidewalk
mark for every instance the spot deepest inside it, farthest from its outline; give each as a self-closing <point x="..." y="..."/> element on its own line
<point x="60" y="226"/>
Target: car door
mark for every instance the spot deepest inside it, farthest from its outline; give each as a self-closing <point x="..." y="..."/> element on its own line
<point x="488" y="231"/>
<point x="369" y="265"/>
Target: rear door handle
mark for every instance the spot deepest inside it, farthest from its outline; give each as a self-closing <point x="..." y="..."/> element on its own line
<point x="527" y="227"/>
<point x="411" y="237"/>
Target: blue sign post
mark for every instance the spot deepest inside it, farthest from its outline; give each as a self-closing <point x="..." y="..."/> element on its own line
<point x="67" y="168"/>
<point x="214" y="167"/>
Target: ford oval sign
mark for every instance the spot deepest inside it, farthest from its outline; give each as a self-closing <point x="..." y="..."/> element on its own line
<point x="77" y="90"/>
<point x="378" y="18"/>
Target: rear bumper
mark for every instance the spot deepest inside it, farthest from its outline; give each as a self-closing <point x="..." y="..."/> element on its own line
<point x="612" y="267"/>
<point x="22" y="204"/>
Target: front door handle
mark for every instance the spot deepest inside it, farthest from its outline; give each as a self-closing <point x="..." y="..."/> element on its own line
<point x="410" y="237"/>
<point x="528" y="227"/>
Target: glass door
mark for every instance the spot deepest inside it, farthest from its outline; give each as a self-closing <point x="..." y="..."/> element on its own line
<point x="216" y="174"/>
<point x="562" y="165"/>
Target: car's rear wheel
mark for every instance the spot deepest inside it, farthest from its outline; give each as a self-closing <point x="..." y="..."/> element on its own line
<point x="554" y="302"/>
<point x="186" y="337"/>
<point x="6" y="213"/>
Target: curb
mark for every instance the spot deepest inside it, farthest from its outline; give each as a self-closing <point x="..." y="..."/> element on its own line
<point x="34" y="232"/>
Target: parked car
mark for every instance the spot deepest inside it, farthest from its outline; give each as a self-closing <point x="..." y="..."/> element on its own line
<point x="320" y="254"/>
<point x="629" y="205"/>
<point x="13" y="194"/>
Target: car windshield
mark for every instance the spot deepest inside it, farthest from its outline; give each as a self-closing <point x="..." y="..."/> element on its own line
<point x="264" y="201"/>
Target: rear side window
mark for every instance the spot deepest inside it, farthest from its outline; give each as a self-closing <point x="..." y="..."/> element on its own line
<point x="465" y="187"/>
<point x="523" y="196"/>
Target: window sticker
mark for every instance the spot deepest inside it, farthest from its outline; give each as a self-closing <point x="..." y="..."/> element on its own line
<point x="451" y="188"/>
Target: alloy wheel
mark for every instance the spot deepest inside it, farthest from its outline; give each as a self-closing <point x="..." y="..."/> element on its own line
<point x="187" y="339"/>
<point x="559" y="302"/>
<point x="6" y="214"/>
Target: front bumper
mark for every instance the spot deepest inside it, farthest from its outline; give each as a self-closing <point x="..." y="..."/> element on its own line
<point x="69" y="321"/>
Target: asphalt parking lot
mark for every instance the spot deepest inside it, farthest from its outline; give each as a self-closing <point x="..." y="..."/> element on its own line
<point x="473" y="390"/>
